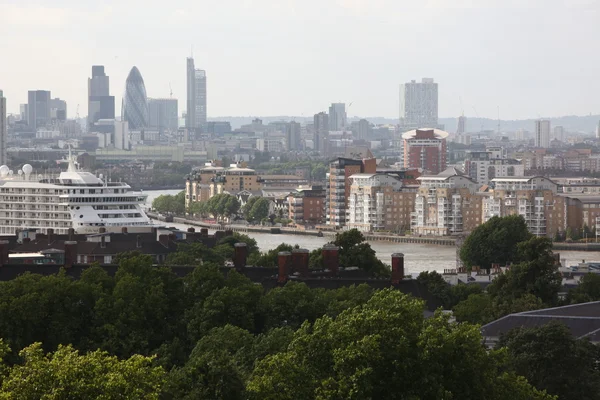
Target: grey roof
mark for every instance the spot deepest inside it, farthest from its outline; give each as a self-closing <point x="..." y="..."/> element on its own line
<point x="583" y="320"/>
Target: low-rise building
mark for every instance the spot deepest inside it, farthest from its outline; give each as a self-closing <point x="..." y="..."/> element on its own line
<point x="306" y="205"/>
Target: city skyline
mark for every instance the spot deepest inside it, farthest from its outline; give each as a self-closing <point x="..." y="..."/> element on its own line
<point x="526" y="68"/>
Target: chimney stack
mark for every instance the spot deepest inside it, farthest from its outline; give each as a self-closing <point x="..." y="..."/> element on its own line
<point x="191" y="230"/>
<point x="50" y="233"/>
<point x="103" y="241"/>
<point x="3" y="253"/>
<point x="164" y="240"/>
<point x="102" y="230"/>
<point x="218" y="236"/>
<point x="204" y="232"/>
<point x="331" y="258"/>
<point x="70" y="254"/>
<point x="124" y="230"/>
<point x="240" y="256"/>
<point x="284" y="261"/>
<point x="300" y="262"/>
<point x="397" y="268"/>
<point x="71" y="234"/>
<point x="138" y="242"/>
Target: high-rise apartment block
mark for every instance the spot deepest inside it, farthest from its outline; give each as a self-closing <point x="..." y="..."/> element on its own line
<point x="293" y="130"/>
<point x="338" y="186"/>
<point x="419" y="104"/>
<point x="337" y="117"/>
<point x="3" y="129"/>
<point x="163" y="114"/>
<point x="426" y="149"/>
<point x="559" y="133"/>
<point x="196" y="96"/>
<point x="364" y="128"/>
<point x="462" y="125"/>
<point x="38" y="108"/>
<point x="542" y="133"/>
<point x="321" y="129"/>
<point x="101" y="105"/>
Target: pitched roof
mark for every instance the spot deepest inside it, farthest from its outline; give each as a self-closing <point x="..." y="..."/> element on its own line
<point x="583" y="320"/>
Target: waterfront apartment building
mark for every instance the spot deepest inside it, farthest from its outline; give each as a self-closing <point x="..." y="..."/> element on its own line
<point x="305" y="205"/>
<point x="536" y="199"/>
<point x="338" y="186"/>
<point x="446" y="204"/>
<point x="379" y="201"/>
<point x="425" y="149"/>
<point x="419" y="104"/>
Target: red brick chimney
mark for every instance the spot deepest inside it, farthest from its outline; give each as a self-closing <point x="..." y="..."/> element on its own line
<point x="204" y="232"/>
<point x="284" y="261"/>
<point x="70" y="254"/>
<point x="240" y="256"/>
<point x="397" y="268"/>
<point x="3" y="252"/>
<point x="124" y="230"/>
<point x="300" y="262"/>
<point x="331" y="258"/>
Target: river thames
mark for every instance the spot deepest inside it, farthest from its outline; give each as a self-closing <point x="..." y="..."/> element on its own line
<point x="417" y="257"/>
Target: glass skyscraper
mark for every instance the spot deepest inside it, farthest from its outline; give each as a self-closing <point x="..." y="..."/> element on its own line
<point x="101" y="105"/>
<point x="135" y="102"/>
<point x="196" y="96"/>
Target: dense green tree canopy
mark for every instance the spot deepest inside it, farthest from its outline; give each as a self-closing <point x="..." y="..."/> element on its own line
<point x="256" y="209"/>
<point x="553" y="360"/>
<point x="169" y="204"/>
<point x="494" y="242"/>
<point x="356" y="356"/>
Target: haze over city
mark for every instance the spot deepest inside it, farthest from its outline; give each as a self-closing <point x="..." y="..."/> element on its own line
<point x="532" y="59"/>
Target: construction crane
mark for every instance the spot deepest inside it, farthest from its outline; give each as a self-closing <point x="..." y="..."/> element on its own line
<point x="77" y="112"/>
<point x="171" y="89"/>
<point x="477" y="114"/>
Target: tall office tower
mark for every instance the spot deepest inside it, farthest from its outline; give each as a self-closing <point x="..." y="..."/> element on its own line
<point x="196" y="96"/>
<point x="462" y="125"/>
<point x="363" y="129"/>
<point x="598" y="130"/>
<point x="3" y="129"/>
<point x="135" y="102"/>
<point x="101" y="105"/>
<point x="293" y="136"/>
<point x="559" y="133"/>
<point x="38" y="108"/>
<point x="542" y="133"/>
<point x="321" y="128"/>
<point x="58" y="109"/>
<point x="163" y="114"/>
<point x="419" y="104"/>
<point x="426" y="149"/>
<point x="337" y="117"/>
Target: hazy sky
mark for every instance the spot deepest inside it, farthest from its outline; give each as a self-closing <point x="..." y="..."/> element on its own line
<point x="294" y="57"/>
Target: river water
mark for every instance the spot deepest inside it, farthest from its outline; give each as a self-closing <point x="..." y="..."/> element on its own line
<point x="417" y="257"/>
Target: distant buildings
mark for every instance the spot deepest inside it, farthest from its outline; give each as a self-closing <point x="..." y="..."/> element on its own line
<point x="483" y="166"/>
<point x="462" y="125"/>
<point x="135" y="102"/>
<point x="101" y="105"/>
<point x="598" y="131"/>
<point x="58" y="109"/>
<point x="337" y="117"/>
<point x="542" y="133"/>
<point x="321" y="128"/>
<point x="363" y="129"/>
<point x="426" y="149"/>
<point x="306" y="205"/>
<point x="38" y="108"/>
<point x="196" y="96"/>
<point x="163" y="114"/>
<point x="293" y="136"/>
<point x="419" y="104"/>
<point x="559" y="133"/>
<point x="3" y="129"/>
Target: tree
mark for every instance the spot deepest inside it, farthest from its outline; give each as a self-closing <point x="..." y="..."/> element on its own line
<point x="587" y="290"/>
<point x="251" y="244"/>
<point x="494" y="242"/>
<point x="476" y="309"/>
<point x="167" y="203"/>
<point x="66" y="374"/>
<point x="537" y="274"/>
<point x="356" y="356"/>
<point x="553" y="360"/>
<point x="356" y="252"/>
<point x="259" y="210"/>
<point x="269" y="259"/>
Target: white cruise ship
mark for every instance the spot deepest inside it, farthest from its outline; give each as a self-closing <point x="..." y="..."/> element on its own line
<point x="73" y="199"/>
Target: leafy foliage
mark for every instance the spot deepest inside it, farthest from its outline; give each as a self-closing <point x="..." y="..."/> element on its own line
<point x="494" y="242"/>
<point x="256" y="209"/>
<point x="169" y="204"/>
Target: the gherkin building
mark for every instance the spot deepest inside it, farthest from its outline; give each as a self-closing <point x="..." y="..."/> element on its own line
<point x="135" y="102"/>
